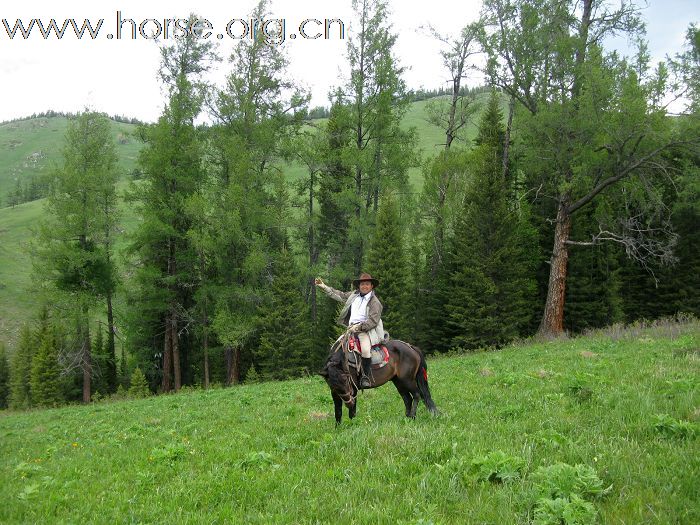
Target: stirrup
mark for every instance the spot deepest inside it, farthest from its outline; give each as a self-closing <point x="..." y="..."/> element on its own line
<point x="365" y="382"/>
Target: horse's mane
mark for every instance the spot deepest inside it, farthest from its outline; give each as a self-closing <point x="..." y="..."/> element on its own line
<point x="335" y="370"/>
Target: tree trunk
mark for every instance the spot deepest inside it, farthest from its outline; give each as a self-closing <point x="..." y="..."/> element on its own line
<point x="167" y="357"/>
<point x="175" y="342"/>
<point x="205" y="344"/>
<point x="86" y="360"/>
<point x="506" y="141"/>
<point x="552" y="323"/>
<point x="358" y="248"/>
<point x="111" y="351"/>
<point x="233" y="357"/>
<point x="450" y="131"/>
<point x="553" y="318"/>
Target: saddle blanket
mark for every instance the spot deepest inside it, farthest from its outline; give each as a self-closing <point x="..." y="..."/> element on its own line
<point x="379" y="355"/>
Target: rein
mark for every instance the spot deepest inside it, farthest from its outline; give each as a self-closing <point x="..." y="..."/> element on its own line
<point x="342" y="345"/>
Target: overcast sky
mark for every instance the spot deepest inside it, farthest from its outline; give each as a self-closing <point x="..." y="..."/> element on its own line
<point x="120" y="76"/>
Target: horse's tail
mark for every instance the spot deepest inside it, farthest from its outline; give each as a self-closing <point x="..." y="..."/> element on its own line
<point x="422" y="380"/>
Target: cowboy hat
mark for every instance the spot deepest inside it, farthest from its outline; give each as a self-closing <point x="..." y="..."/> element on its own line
<point x="365" y="277"/>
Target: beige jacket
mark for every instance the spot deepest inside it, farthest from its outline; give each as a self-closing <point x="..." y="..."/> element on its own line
<point x="373" y="325"/>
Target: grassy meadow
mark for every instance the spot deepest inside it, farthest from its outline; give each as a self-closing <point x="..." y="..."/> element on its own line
<point x="621" y="406"/>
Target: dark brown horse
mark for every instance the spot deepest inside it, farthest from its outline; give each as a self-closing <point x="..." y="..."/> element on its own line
<point x="406" y="369"/>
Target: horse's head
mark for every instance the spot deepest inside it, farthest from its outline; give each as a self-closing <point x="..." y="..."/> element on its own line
<point x="336" y="374"/>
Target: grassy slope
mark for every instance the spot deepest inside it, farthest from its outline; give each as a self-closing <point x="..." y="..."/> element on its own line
<point x="269" y="453"/>
<point x="19" y="139"/>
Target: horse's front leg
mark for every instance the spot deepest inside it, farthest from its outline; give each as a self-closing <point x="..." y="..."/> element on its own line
<point x="352" y="409"/>
<point x="338" y="405"/>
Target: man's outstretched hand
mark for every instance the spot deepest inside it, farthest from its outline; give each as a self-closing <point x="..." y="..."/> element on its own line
<point x="319" y="281"/>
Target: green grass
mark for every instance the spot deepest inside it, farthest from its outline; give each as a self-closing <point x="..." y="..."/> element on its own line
<point x="269" y="453"/>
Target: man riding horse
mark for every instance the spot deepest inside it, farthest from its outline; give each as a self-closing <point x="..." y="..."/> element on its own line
<point x="362" y="314"/>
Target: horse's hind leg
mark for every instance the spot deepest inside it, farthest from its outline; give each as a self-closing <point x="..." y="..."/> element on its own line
<point x="414" y="394"/>
<point x="414" y="405"/>
<point x="405" y="395"/>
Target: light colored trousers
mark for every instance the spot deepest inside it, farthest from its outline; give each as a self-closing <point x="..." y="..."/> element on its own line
<point x="365" y="344"/>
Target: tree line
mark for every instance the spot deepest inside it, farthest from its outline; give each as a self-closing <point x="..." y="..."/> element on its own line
<point x="574" y="206"/>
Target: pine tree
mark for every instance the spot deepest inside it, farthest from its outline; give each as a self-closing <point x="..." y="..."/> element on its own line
<point x="285" y="346"/>
<point x="387" y="262"/>
<point x="256" y="113"/>
<point x="4" y="377"/>
<point x="173" y="172"/>
<point x="380" y="152"/>
<point x="72" y="256"/>
<point x="492" y="251"/>
<point x="46" y="384"/>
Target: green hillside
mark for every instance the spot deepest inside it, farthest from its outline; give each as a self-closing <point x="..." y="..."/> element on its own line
<point x="605" y="425"/>
<point x="19" y="140"/>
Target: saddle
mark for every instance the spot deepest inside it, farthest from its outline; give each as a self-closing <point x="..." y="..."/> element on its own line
<point x="379" y="355"/>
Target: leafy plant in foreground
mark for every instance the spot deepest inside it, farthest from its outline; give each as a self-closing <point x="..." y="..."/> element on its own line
<point x="498" y="467"/>
<point x="562" y="481"/>
<point x="567" y="511"/>
<point x="676" y="428"/>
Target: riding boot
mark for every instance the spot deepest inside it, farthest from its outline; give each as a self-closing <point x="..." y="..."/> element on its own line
<point x="366" y="371"/>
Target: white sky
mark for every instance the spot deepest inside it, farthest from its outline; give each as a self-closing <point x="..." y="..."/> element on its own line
<point x="119" y="76"/>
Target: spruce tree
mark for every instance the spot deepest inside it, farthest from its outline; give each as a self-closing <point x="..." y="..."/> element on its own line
<point x="492" y="251"/>
<point x="138" y="386"/>
<point x="284" y="348"/>
<point x="440" y="202"/>
<point x="45" y="382"/>
<point x="686" y="218"/>
<point x="102" y="368"/>
<point x="387" y="262"/>
<point x="4" y="377"/>
<point x="20" y="370"/>
<point x="593" y="291"/>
